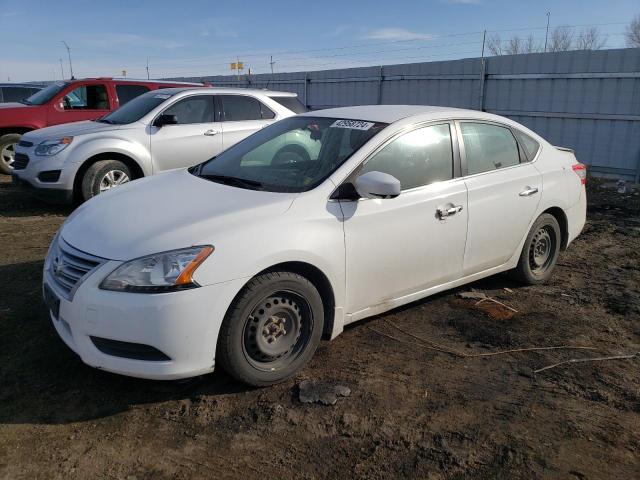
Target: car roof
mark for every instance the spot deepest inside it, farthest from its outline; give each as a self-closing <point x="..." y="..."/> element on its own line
<point x="236" y="91"/>
<point x="393" y="113"/>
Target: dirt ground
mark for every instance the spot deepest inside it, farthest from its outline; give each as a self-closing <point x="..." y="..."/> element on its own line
<point x="413" y="411"/>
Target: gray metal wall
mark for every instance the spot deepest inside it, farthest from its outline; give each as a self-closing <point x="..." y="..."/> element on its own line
<point x="585" y="100"/>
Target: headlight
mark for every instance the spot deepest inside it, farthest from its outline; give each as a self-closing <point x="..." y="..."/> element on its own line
<point x="162" y="272"/>
<point x="52" y="147"/>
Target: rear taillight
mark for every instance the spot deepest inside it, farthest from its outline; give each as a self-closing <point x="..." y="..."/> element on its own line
<point x="581" y="171"/>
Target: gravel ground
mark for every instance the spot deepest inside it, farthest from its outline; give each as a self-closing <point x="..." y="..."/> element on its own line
<point x="416" y="406"/>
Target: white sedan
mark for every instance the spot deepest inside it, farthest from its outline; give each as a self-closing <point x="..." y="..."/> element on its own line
<point x="249" y="259"/>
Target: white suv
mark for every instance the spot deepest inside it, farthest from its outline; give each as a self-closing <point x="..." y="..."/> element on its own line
<point x="157" y="131"/>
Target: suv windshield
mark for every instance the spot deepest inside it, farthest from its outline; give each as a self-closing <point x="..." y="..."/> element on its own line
<point x="44" y="95"/>
<point x="293" y="155"/>
<point x="135" y="109"/>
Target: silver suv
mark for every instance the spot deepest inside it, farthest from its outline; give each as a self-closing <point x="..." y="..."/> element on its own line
<point x="157" y="131"/>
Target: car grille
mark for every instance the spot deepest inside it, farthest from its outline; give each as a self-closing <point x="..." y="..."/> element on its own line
<point x="20" y="161"/>
<point x="69" y="266"/>
<point x="24" y="143"/>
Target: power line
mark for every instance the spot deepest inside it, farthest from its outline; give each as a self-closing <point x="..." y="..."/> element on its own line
<point x="389" y="42"/>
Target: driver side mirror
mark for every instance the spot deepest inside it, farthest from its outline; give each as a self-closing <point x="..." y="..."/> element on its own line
<point x="377" y="185"/>
<point x="163" y="120"/>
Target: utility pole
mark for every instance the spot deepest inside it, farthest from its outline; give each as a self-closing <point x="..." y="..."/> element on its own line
<point x="61" y="68"/>
<point x="147" y="68"/>
<point x="69" y="55"/>
<point x="238" y="67"/>
<point x="272" y="63"/>
<point x="546" y="37"/>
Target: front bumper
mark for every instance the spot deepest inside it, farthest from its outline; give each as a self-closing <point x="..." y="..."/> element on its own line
<point x="58" y="191"/>
<point x="182" y="325"/>
<point x="49" y="195"/>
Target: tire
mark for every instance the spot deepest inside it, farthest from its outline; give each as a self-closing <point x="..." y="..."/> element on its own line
<point x="104" y="175"/>
<point x="290" y="154"/>
<point x="539" y="252"/>
<point x="8" y="144"/>
<point x="271" y="330"/>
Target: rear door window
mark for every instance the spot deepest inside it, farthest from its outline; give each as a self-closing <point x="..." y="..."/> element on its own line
<point x="240" y="107"/>
<point x="129" y="92"/>
<point x="488" y="147"/>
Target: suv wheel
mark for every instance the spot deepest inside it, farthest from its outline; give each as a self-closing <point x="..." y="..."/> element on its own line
<point x="102" y="176"/>
<point x="272" y="329"/>
<point x="8" y="144"/>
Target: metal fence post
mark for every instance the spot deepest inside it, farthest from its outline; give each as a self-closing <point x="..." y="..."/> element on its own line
<point x="306" y="83"/>
<point x="380" y="79"/>
<point x="483" y="77"/>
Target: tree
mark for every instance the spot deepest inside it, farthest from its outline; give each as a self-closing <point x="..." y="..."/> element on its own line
<point x="494" y="45"/>
<point x="633" y="32"/>
<point x="590" y="39"/>
<point x="561" y="39"/>
<point x="514" y="45"/>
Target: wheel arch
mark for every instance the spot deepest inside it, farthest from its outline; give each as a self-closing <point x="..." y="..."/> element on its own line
<point x="18" y="130"/>
<point x="135" y="167"/>
<point x="319" y="280"/>
<point x="561" y="217"/>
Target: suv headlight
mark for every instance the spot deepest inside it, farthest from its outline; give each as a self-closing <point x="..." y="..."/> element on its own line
<point x="161" y="272"/>
<point x="53" y="147"/>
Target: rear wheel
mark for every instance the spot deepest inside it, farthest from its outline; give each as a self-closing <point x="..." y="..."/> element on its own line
<point x="102" y="176"/>
<point x="8" y="144"/>
<point x="540" y="251"/>
<point x="272" y="330"/>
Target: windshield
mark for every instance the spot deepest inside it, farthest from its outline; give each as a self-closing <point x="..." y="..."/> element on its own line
<point x="46" y="94"/>
<point x="293" y="155"/>
<point x="135" y="109"/>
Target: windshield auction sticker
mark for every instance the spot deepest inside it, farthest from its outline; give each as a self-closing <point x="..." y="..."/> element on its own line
<point x="353" y="124"/>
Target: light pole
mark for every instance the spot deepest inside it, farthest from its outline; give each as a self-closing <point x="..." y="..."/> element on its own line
<point x="69" y="55"/>
<point x="61" y="69"/>
<point x="546" y="37"/>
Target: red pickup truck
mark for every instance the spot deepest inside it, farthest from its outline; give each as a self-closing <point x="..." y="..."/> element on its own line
<point x="67" y="101"/>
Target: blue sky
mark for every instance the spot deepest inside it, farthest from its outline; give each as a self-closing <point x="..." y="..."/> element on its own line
<point x="197" y="37"/>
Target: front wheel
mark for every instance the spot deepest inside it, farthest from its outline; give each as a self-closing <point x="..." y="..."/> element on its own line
<point x="272" y="329"/>
<point x="8" y="144"/>
<point x="540" y="251"/>
<point x="102" y="176"/>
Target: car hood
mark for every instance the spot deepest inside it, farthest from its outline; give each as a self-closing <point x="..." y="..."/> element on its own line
<point x="68" y="129"/>
<point x="166" y="212"/>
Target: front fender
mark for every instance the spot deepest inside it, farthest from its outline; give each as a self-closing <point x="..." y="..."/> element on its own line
<point x="93" y="147"/>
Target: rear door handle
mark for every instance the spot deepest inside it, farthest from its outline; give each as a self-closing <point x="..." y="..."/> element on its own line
<point x="528" y="191"/>
<point x="448" y="210"/>
<point x="211" y="133"/>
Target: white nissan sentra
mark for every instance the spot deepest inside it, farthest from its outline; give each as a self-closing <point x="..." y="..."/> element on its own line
<point x="248" y="259"/>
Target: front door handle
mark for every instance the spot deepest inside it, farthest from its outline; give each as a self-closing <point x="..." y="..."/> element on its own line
<point x="528" y="191"/>
<point x="448" y="210"/>
<point x="212" y="132"/>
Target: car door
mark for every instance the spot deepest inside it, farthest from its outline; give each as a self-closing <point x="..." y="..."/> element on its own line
<point x="396" y="247"/>
<point x="243" y="115"/>
<point x="85" y="101"/>
<point x="195" y="138"/>
<point x="504" y="192"/>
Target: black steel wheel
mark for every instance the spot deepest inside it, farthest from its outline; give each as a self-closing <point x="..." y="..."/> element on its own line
<point x="540" y="251"/>
<point x="272" y="329"/>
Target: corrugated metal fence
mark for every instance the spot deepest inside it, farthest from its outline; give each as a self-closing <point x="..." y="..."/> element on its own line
<point x="585" y="100"/>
